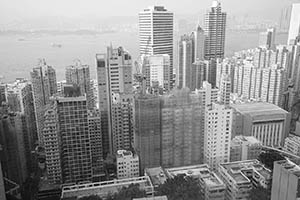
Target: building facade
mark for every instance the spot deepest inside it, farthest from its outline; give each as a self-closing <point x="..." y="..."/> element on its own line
<point x="127" y="164"/>
<point x="214" y="29"/>
<point x="218" y="126"/>
<point x="285" y="182"/>
<point x="240" y="177"/>
<point x="156" y="33"/>
<point x="266" y="122"/>
<point x="244" y="148"/>
<point x="44" y="85"/>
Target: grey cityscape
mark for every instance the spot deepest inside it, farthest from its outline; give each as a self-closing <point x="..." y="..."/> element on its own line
<point x="149" y="100"/>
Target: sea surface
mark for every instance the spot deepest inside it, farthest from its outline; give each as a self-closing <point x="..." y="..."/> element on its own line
<point x="19" y="53"/>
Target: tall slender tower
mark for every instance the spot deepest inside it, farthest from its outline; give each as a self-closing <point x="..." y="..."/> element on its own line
<point x="114" y="74"/>
<point x="43" y="78"/>
<point x="294" y="29"/>
<point x="156" y="33"/>
<point x="199" y="44"/>
<point x="184" y="76"/>
<point x="215" y="25"/>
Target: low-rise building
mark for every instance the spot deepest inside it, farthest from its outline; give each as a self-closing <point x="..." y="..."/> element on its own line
<point x="102" y="189"/>
<point x="244" y="148"/>
<point x="212" y="187"/>
<point x="265" y="121"/>
<point x="127" y="164"/>
<point x="241" y="176"/>
<point x="292" y="144"/>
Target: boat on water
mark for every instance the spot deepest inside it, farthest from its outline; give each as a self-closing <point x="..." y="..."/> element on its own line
<point x="56" y="45"/>
<point x="21" y="39"/>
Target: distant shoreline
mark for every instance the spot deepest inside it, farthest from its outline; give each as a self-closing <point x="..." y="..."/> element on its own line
<point x="55" y="32"/>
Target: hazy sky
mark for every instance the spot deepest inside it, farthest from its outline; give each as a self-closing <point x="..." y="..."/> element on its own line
<point x="16" y="9"/>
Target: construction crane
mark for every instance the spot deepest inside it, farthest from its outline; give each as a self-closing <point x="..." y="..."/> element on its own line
<point x="139" y="76"/>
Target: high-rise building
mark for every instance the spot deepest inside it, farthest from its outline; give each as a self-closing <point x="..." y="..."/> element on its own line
<point x="20" y="99"/>
<point x="79" y="75"/>
<point x="198" y="71"/>
<point x="285" y="180"/>
<point x="122" y="121"/>
<point x="240" y="177"/>
<point x="147" y="138"/>
<point x="2" y="93"/>
<point x="225" y="89"/>
<point x="199" y="44"/>
<point x="285" y="18"/>
<point x="244" y="148"/>
<point x="52" y="146"/>
<point x="294" y="29"/>
<point x="181" y="136"/>
<point x="156" y="68"/>
<point x="44" y="86"/>
<point x="211" y="72"/>
<point x="266" y="122"/>
<point x="267" y="39"/>
<point x="76" y="157"/>
<point x="265" y="84"/>
<point x="156" y="33"/>
<point x="14" y="147"/>
<point x="214" y="29"/>
<point x="127" y="164"/>
<point x="185" y="62"/>
<point x="94" y="118"/>
<point x="218" y="125"/>
<point x="114" y="75"/>
<point x="2" y="188"/>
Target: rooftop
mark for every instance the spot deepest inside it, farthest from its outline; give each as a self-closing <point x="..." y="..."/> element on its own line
<point x="260" y="110"/>
<point x="240" y="139"/>
<point x="105" y="187"/>
<point x="290" y="166"/>
<point x="152" y="198"/>
<point x="201" y="172"/>
<point x="238" y="170"/>
<point x="157" y="175"/>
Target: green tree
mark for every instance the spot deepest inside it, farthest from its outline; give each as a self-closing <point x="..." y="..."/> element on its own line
<point x="269" y="157"/>
<point x="181" y="188"/>
<point x="260" y="193"/>
<point x="92" y="197"/>
<point x="128" y="193"/>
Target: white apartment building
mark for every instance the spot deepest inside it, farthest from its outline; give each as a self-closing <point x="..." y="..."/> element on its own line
<point x="127" y="164"/>
<point x="218" y="125"/>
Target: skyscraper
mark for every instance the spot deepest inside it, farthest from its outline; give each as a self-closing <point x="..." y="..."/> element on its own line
<point x="2" y="189"/>
<point x="79" y="75"/>
<point x="267" y="39"/>
<point x="156" y="33"/>
<point x="114" y="74"/>
<point x="76" y="157"/>
<point x="225" y="89"/>
<point x="218" y="123"/>
<point x="52" y="146"/>
<point x="215" y="25"/>
<point x="185" y="62"/>
<point x="44" y="85"/>
<point x="156" y="68"/>
<point x="199" y="44"/>
<point x="147" y="139"/>
<point x="181" y="136"/>
<point x="294" y="29"/>
<point x="94" y="118"/>
<point x="122" y="122"/>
